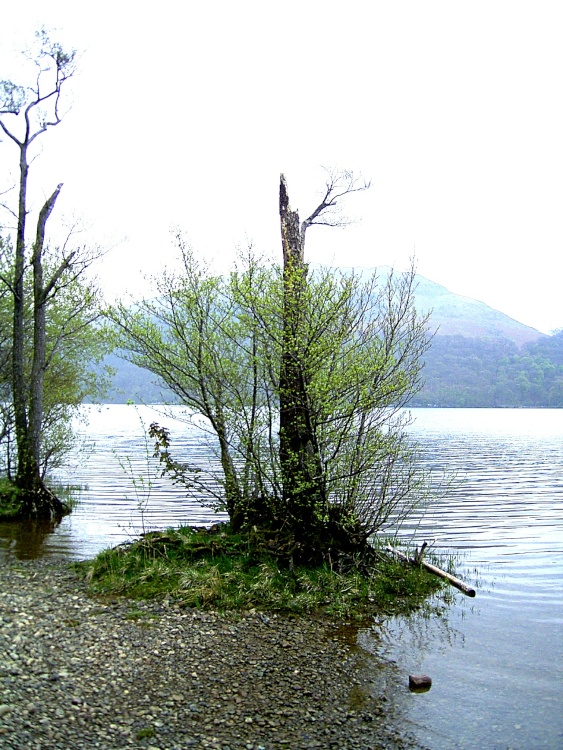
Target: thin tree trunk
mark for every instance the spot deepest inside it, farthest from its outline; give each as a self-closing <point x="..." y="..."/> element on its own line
<point x="37" y="500"/>
<point x="39" y="331"/>
<point x="18" y="374"/>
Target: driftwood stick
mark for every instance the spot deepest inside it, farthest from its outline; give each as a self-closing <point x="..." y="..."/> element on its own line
<point x="420" y="553"/>
<point x="467" y="590"/>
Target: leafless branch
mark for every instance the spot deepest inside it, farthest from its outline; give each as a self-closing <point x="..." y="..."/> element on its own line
<point x="328" y="212"/>
<point x="51" y="62"/>
<point x="6" y="206"/>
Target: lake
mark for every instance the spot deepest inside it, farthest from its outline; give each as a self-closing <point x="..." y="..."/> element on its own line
<point x="496" y="661"/>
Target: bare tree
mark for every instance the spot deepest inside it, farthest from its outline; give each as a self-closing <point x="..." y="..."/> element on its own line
<point x="26" y="113"/>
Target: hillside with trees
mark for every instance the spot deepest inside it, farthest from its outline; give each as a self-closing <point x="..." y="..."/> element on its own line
<point x="462" y="371"/>
<point x="481" y="357"/>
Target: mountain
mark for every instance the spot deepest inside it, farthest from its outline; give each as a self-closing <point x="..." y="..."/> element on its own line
<point x="455" y="315"/>
<point x="481" y="357"/>
<point x="132" y="383"/>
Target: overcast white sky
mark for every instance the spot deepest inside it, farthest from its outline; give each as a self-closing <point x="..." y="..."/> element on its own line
<point x="185" y="113"/>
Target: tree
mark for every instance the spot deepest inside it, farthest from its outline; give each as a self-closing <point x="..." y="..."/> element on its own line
<point x="26" y="113"/>
<point x="198" y="336"/>
<point x="301" y="377"/>
<point x="331" y="417"/>
<point x="74" y="339"/>
<point x="6" y="411"/>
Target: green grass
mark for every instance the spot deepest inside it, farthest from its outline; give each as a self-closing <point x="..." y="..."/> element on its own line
<point x="69" y="494"/>
<point x="10" y="503"/>
<point x="145" y="733"/>
<point x="222" y="571"/>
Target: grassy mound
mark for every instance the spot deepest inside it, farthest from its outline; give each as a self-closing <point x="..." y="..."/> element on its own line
<point x="215" y="569"/>
<point x="12" y="499"/>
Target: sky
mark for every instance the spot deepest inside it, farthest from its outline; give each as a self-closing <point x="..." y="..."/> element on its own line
<point x="183" y="115"/>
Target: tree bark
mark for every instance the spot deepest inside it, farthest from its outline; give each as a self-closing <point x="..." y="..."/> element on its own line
<point x="40" y="294"/>
<point x="299" y="459"/>
<point x="18" y="374"/>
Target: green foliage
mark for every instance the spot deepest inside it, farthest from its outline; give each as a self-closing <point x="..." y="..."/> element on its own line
<point x="472" y="372"/>
<point x="10" y="502"/>
<point x="75" y="338"/>
<point x="217" y="343"/>
<point x="216" y="569"/>
<point x="145" y="732"/>
<point x="11" y="498"/>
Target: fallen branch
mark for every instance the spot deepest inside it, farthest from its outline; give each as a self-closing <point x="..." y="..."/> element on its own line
<point x="467" y="590"/>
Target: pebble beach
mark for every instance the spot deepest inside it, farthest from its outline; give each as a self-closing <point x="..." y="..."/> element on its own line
<point x="78" y="672"/>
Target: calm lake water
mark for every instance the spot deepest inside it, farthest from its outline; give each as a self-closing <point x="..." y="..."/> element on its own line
<point x="496" y="661"/>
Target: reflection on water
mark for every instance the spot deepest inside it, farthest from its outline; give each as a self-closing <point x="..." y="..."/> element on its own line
<point x="496" y="661"/>
<point x="23" y="540"/>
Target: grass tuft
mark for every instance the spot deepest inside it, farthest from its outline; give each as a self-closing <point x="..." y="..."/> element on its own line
<point x="145" y="732"/>
<point x="10" y="502"/>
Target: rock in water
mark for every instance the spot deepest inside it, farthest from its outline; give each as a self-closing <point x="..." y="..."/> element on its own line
<point x="419" y="683"/>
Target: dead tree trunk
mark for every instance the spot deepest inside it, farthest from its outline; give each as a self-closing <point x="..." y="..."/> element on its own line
<point x="299" y="458"/>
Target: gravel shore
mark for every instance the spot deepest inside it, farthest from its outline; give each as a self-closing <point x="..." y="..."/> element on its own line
<point x="78" y="672"/>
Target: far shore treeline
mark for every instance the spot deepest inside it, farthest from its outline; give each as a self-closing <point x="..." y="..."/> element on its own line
<point x="460" y="371"/>
<point x="476" y="372"/>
